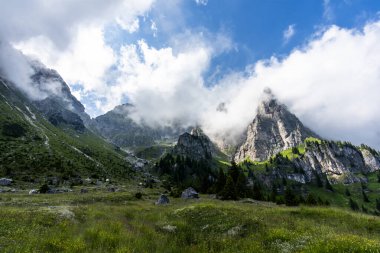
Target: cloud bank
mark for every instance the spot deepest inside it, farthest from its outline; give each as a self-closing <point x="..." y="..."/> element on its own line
<point x="332" y="82"/>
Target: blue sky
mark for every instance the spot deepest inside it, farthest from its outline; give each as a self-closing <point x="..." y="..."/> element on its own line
<point x="256" y="27"/>
<point x="177" y="60"/>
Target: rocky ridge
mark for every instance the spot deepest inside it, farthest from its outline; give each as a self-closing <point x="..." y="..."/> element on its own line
<point x="341" y="162"/>
<point x="118" y="127"/>
<point x="273" y="130"/>
<point x="195" y="145"/>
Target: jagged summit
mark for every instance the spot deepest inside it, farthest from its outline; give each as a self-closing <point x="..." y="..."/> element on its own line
<point x="195" y="145"/>
<point x="274" y="129"/>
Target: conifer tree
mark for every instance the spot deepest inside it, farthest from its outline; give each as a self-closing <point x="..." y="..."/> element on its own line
<point x="354" y="206"/>
<point x="310" y="200"/>
<point x="241" y="185"/>
<point x="290" y="197"/>
<point x="365" y="197"/>
<point x="229" y="191"/>
<point x="221" y="181"/>
<point x="257" y="191"/>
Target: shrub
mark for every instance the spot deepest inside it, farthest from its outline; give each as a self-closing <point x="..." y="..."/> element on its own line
<point x="44" y="188"/>
<point x="354" y="206"/>
<point x="138" y="195"/>
<point x="14" y="130"/>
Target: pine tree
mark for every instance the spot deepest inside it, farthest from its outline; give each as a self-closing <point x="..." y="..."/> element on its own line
<point x="310" y="200"/>
<point x="320" y="201"/>
<point x="290" y="197"/>
<point x="273" y="193"/>
<point x="328" y="185"/>
<point x="257" y="192"/>
<point x="365" y="197"/>
<point x="229" y="191"/>
<point x="354" y="206"/>
<point x="241" y="185"/>
<point x="318" y="180"/>
<point x="234" y="171"/>
<point x="220" y="182"/>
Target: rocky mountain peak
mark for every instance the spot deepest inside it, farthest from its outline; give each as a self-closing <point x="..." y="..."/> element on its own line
<point x="195" y="145"/>
<point x="197" y="131"/>
<point x="59" y="98"/>
<point x="273" y="130"/>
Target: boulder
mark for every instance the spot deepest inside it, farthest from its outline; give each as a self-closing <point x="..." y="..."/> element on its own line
<point x="190" y="193"/>
<point x="162" y="200"/>
<point x="83" y="190"/>
<point x="5" y="181"/>
<point x="33" y="191"/>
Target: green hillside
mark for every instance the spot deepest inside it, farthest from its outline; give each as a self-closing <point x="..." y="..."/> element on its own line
<point x="31" y="148"/>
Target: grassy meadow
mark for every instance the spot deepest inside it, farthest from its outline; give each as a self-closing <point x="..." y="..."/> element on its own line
<point x="119" y="222"/>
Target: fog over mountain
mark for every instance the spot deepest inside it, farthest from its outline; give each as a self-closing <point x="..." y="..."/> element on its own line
<point x="331" y="81"/>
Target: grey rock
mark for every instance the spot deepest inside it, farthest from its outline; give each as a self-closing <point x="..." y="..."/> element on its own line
<point x="162" y="200"/>
<point x="339" y="161"/>
<point x="273" y="130"/>
<point x="34" y="191"/>
<point x="195" y="145"/>
<point x="83" y="190"/>
<point x="169" y="228"/>
<point x="112" y="189"/>
<point x="372" y="161"/>
<point x="190" y="193"/>
<point x="5" y="181"/>
<point x="58" y="191"/>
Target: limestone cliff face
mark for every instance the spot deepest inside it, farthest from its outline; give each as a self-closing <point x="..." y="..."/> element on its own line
<point x="339" y="161"/>
<point x="273" y="130"/>
<point x="195" y="145"/>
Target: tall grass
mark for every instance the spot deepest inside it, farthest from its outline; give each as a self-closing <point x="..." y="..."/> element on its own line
<point x="124" y="224"/>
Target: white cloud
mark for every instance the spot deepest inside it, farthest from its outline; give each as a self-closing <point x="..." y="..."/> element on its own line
<point x="289" y="33"/>
<point x="153" y="27"/>
<point x="201" y="2"/>
<point x="332" y="84"/>
<point x="166" y="85"/>
<point x="84" y="61"/>
<point x="328" y="13"/>
<point x="68" y="35"/>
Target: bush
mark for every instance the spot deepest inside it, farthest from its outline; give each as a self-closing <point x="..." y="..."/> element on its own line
<point x="229" y="190"/>
<point x="354" y="206"/>
<point x="44" y="188"/>
<point x="290" y="198"/>
<point x="310" y="200"/>
<point x="14" y="130"/>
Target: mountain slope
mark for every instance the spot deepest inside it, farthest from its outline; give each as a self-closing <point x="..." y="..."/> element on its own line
<point x="273" y="130"/>
<point x="58" y="104"/>
<point x="32" y="148"/>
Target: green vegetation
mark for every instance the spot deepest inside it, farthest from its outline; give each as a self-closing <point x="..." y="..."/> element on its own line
<point x="118" y="222"/>
<point x="32" y="149"/>
<point x="313" y="139"/>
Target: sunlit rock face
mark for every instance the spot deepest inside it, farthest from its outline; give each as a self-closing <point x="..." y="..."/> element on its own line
<point x="273" y="130"/>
